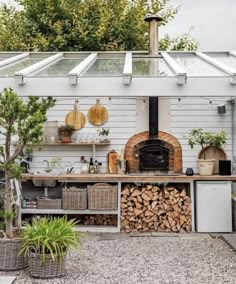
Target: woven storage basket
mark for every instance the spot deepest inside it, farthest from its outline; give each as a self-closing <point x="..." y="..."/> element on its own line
<point x="48" y="203"/>
<point x="9" y="258"/>
<point x="102" y="196"/>
<point x="48" y="269"/>
<point x="74" y="198"/>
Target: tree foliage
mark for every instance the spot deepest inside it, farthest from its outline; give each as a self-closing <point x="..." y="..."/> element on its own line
<point x="54" y="25"/>
<point x="24" y="119"/>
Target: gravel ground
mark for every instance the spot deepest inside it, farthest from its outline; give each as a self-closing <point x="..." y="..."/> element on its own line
<point x="146" y="260"/>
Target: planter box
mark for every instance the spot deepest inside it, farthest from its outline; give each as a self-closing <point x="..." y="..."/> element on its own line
<point x="9" y="258"/>
<point x="48" y="269"/>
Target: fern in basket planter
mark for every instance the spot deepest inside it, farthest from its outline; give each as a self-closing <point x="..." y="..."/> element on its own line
<point x="207" y="140"/>
<point x="22" y="118"/>
<point x="46" y="242"/>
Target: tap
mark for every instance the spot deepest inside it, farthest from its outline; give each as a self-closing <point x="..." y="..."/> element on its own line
<point x="48" y="169"/>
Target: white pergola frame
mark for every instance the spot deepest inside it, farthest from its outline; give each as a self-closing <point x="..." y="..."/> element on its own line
<point x="127" y="85"/>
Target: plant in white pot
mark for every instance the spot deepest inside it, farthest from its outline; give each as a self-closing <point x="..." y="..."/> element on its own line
<point x="207" y="140"/>
<point x="23" y="118"/>
<point x="46" y="242"/>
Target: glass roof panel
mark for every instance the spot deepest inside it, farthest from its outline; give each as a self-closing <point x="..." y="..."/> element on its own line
<point x="4" y="55"/>
<point x="196" y="66"/>
<point x="60" y="68"/>
<point x="150" y="67"/>
<point x="107" y="65"/>
<point x="224" y="57"/>
<point x="11" y="69"/>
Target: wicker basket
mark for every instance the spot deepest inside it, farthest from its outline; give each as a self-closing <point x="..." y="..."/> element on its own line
<point x="74" y="198"/>
<point x="102" y="196"/>
<point x="9" y="258"/>
<point x="47" y="269"/>
<point x="48" y="203"/>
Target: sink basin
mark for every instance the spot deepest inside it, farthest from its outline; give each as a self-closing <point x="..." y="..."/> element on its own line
<point x="44" y="182"/>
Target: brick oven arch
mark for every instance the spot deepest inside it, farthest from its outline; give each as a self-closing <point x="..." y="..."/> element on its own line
<point x="170" y="142"/>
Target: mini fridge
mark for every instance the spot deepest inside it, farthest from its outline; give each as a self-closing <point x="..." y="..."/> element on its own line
<point x="213" y="206"/>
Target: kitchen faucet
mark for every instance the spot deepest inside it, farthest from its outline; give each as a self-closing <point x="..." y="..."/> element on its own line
<point x="48" y="169"/>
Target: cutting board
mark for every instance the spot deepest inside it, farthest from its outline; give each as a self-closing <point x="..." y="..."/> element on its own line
<point x="75" y="118"/>
<point x="112" y="158"/>
<point x="211" y="152"/>
<point x="98" y="114"/>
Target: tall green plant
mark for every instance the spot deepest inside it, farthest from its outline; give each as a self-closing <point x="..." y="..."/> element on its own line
<point x="50" y="236"/>
<point x="24" y="119"/>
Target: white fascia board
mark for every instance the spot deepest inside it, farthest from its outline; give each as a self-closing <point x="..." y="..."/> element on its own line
<point x="223" y="67"/>
<point x="80" y="68"/>
<point x="232" y="53"/>
<point x="20" y="75"/>
<point x="13" y="59"/>
<point x="176" y="68"/>
<point x="127" y="71"/>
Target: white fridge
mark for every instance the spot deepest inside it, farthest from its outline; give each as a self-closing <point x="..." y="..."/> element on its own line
<point x="213" y="206"/>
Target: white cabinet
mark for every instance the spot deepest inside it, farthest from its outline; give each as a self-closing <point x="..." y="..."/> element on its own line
<point x="213" y="206"/>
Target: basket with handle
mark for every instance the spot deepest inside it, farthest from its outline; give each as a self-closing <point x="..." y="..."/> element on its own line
<point x="74" y="198"/>
<point x="102" y="196"/>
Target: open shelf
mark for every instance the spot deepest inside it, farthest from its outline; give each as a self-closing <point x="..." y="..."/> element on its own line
<point x="63" y="211"/>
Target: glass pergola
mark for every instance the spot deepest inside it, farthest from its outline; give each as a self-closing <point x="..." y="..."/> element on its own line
<point x="121" y="74"/>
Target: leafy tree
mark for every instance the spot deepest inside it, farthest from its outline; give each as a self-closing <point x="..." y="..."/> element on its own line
<point x="25" y="120"/>
<point x="49" y="25"/>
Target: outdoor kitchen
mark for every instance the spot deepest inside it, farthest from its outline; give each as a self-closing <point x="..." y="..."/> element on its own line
<point x="115" y="153"/>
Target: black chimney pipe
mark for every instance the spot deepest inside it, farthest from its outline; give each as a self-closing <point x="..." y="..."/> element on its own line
<point x="153" y="117"/>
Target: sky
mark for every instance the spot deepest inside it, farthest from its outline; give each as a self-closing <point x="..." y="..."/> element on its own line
<point x="212" y="22"/>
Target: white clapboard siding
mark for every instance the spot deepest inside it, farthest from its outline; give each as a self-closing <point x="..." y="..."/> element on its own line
<point x="196" y="113"/>
<point x="121" y="121"/>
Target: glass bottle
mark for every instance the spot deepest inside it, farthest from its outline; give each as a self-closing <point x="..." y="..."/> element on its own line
<point x="95" y="166"/>
<point x="91" y="166"/>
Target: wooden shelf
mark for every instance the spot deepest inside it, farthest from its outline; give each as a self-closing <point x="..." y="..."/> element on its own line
<point x="63" y="211"/>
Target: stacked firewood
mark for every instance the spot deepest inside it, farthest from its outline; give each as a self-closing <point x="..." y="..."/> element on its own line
<point x="150" y="208"/>
<point x="108" y="220"/>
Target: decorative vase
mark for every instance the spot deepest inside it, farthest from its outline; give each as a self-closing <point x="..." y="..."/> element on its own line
<point x="9" y="258"/>
<point x="84" y="168"/>
<point x="205" y="167"/>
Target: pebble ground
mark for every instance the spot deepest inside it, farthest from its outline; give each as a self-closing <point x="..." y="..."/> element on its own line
<point x="146" y="260"/>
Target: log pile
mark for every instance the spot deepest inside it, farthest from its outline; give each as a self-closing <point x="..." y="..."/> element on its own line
<point x="153" y="208"/>
<point x="106" y="220"/>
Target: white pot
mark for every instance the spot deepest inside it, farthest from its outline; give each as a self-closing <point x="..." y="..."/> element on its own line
<point x="205" y="167"/>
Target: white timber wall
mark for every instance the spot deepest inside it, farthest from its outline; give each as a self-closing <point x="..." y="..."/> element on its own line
<point x="130" y="116"/>
<point x="121" y="122"/>
<point x="197" y="113"/>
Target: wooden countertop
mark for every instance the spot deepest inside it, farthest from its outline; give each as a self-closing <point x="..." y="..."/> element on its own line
<point x="126" y="178"/>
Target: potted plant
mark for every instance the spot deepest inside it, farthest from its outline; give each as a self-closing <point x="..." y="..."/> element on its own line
<point x="65" y="132"/>
<point x="104" y="132"/>
<point x="25" y="119"/>
<point x="46" y="242"/>
<point x="207" y="140"/>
